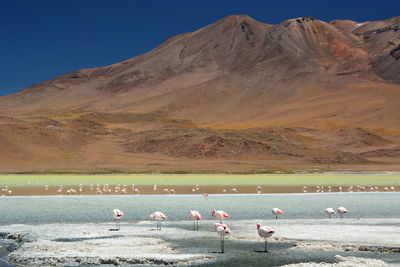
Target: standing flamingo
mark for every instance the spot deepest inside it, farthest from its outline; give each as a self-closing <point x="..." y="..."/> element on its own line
<point x="220" y="214"/>
<point x="159" y="217"/>
<point x="265" y="232"/>
<point x="276" y="212"/>
<point x="117" y="214"/>
<point x="341" y="211"/>
<point x="329" y="212"/>
<point x="222" y="231"/>
<point x="196" y="217"/>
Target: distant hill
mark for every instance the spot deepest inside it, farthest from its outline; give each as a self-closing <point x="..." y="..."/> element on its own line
<point x="237" y="95"/>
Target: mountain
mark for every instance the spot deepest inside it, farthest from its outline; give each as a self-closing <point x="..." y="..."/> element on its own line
<point x="237" y="95"/>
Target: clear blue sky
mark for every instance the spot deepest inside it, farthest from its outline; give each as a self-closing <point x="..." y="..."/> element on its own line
<point x="41" y="39"/>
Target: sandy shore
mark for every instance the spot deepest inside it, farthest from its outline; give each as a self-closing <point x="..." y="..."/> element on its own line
<point x="139" y="243"/>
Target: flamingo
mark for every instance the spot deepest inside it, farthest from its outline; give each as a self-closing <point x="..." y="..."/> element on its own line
<point x="117" y="214"/>
<point x="196" y="217"/>
<point x="216" y="225"/>
<point x="220" y="214"/>
<point x="276" y="212"/>
<point x="329" y="212"/>
<point x="205" y="195"/>
<point x="341" y="211"/>
<point x="60" y="189"/>
<point x="265" y="232"/>
<point x="222" y="231"/>
<point x="159" y="217"/>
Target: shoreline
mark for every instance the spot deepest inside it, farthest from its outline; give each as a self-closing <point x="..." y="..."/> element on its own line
<point x="140" y="243"/>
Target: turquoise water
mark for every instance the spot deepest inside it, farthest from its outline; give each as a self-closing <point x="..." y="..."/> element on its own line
<point x="75" y="209"/>
<point x="79" y="209"/>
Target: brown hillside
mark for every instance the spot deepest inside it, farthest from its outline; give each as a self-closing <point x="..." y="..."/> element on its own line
<point x="235" y="95"/>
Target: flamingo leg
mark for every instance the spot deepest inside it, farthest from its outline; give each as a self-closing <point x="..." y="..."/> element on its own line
<point x="266" y="245"/>
<point x="222" y="244"/>
<point x="194" y="225"/>
<point x="276" y="217"/>
<point x="341" y="215"/>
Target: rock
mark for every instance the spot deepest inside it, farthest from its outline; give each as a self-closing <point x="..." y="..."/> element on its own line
<point x="4" y="234"/>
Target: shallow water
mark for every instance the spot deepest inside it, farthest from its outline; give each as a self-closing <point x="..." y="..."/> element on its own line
<point x="85" y="209"/>
<point x="75" y="209"/>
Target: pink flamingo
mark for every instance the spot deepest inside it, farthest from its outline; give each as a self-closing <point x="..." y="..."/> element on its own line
<point x="220" y="214"/>
<point x="265" y="232"/>
<point x="341" y="211"/>
<point x="216" y="225"/>
<point x="222" y="231"/>
<point x="196" y="217"/>
<point x="205" y="195"/>
<point x="276" y="212"/>
<point x="117" y="214"/>
<point x="159" y="217"/>
<point x="329" y="212"/>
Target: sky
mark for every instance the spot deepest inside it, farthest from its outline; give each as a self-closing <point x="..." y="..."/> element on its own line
<point x="42" y="39"/>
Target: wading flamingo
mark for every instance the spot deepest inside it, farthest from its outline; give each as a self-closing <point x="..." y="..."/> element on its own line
<point x="265" y="232"/>
<point x="159" y="217"/>
<point x="220" y="214"/>
<point x="196" y="217"/>
<point x="276" y="212"/>
<point x="341" y="211"/>
<point x="222" y="231"/>
<point x="117" y="214"/>
<point x="329" y="212"/>
<point x="216" y="225"/>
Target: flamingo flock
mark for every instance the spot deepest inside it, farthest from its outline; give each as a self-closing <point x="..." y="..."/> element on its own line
<point x="220" y="228"/>
<point x="340" y="210"/>
<point x="106" y="189"/>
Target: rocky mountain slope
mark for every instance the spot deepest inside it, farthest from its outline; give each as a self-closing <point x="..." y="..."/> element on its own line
<point x="237" y="95"/>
